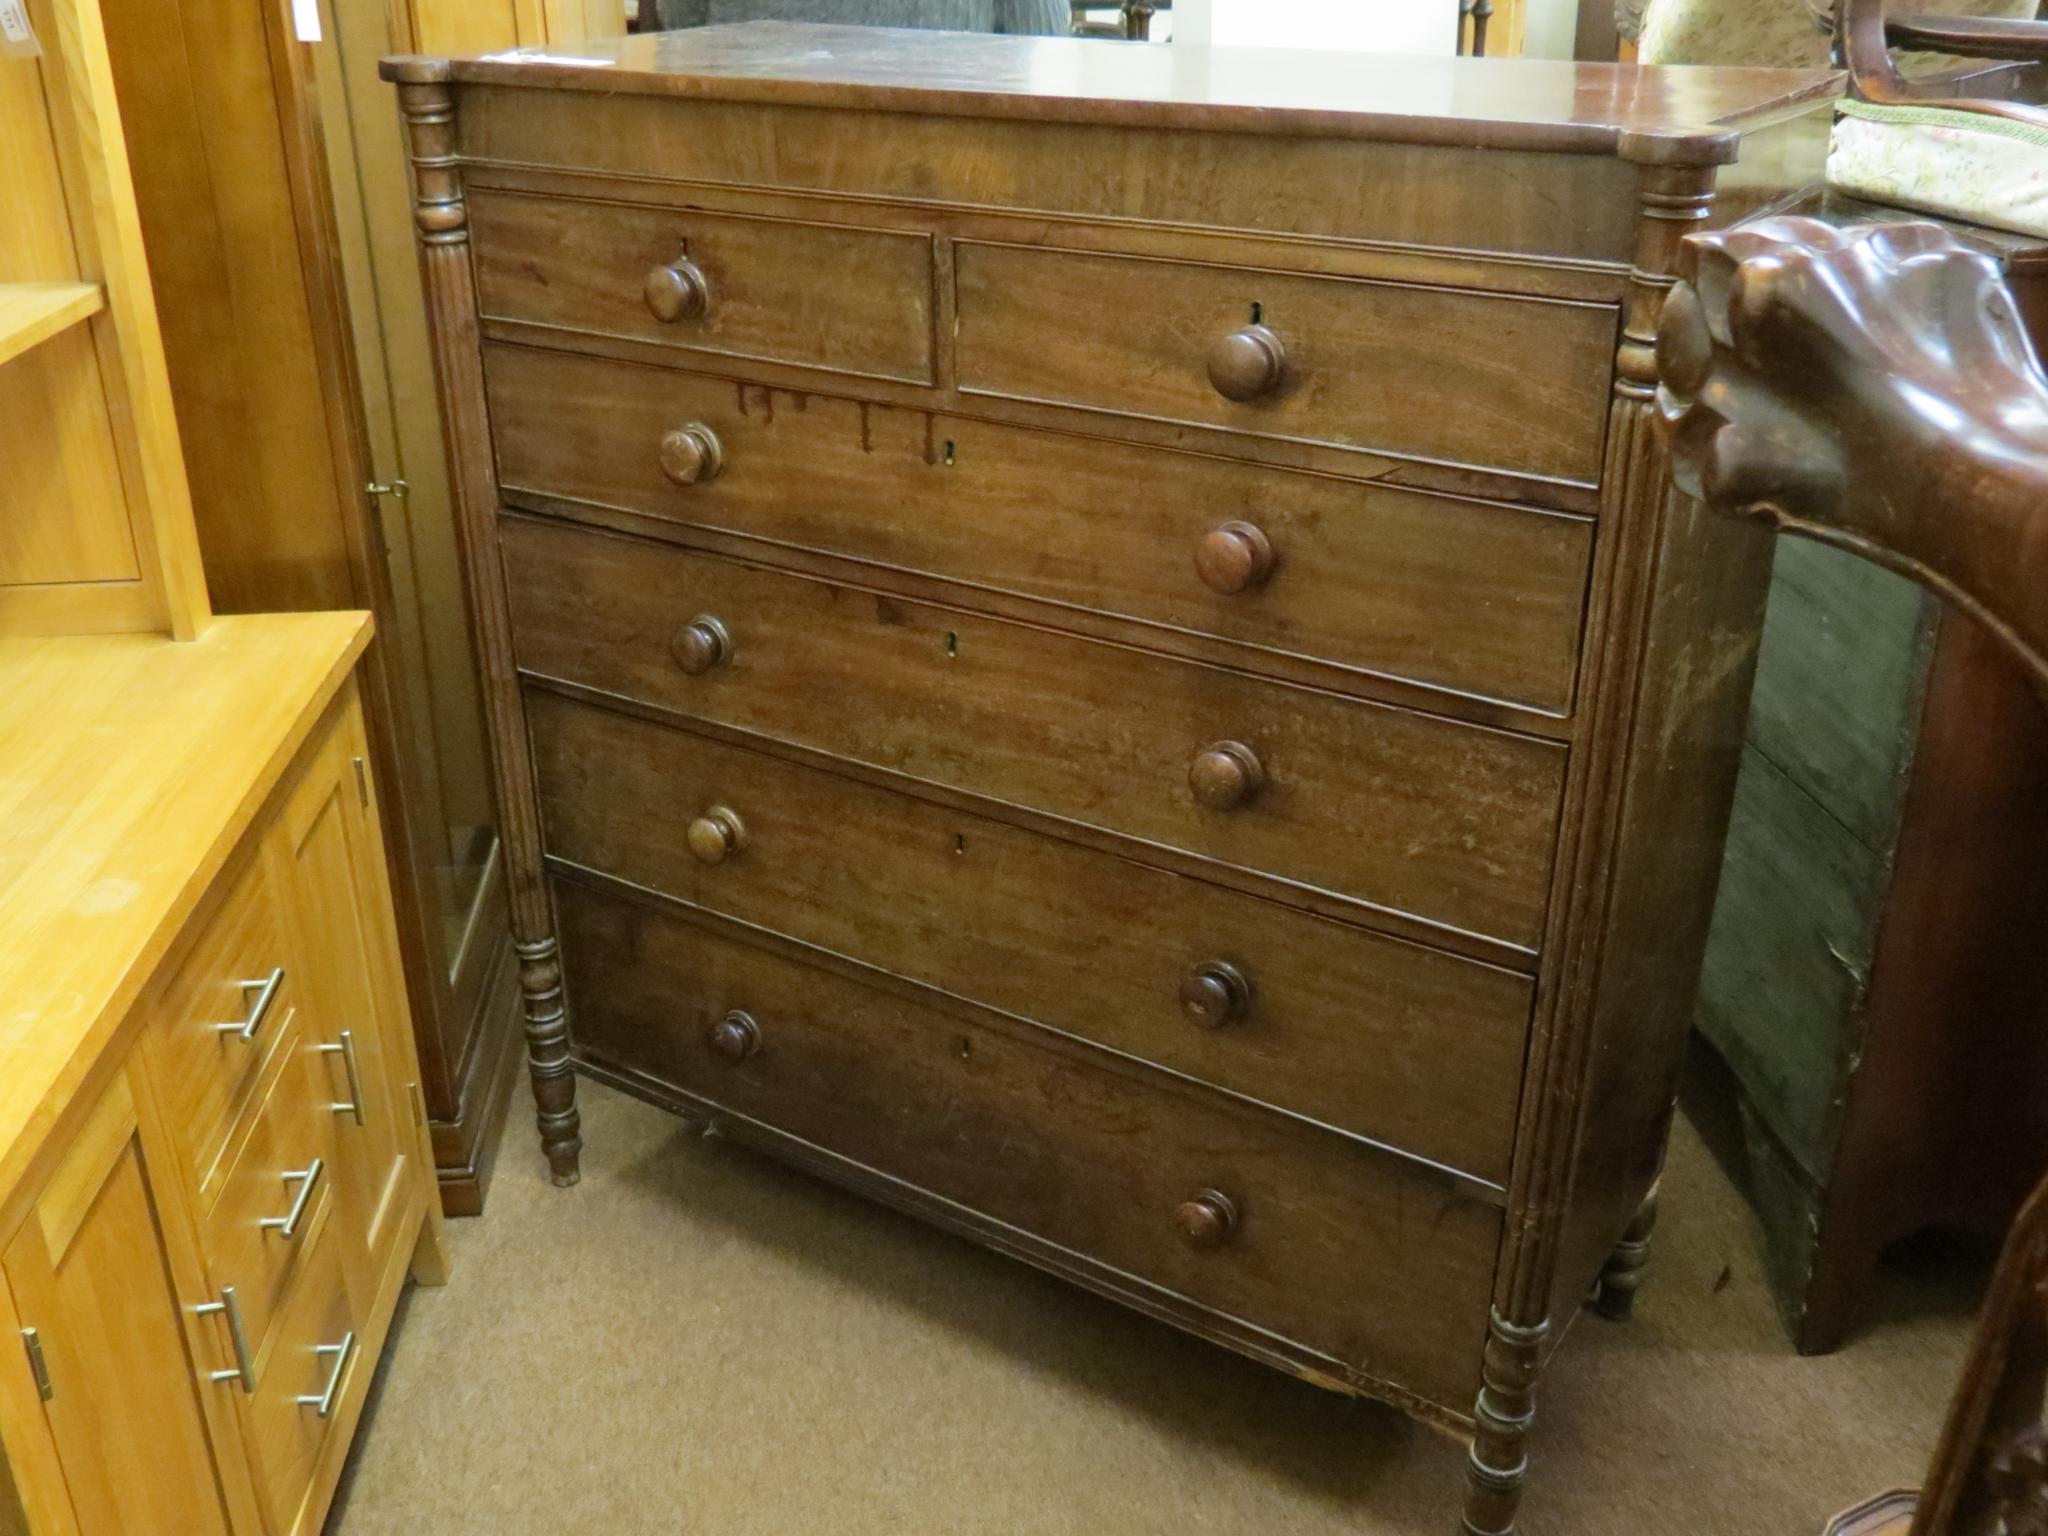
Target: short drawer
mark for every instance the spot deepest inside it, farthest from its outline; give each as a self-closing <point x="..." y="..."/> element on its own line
<point x="1391" y="1040"/>
<point x="311" y="1382"/>
<point x="1455" y="376"/>
<point x="219" y="1015"/>
<point x="1473" y="597"/>
<point x="850" y="300"/>
<point x="274" y="1191"/>
<point x="1362" y="1260"/>
<point x="1447" y="822"/>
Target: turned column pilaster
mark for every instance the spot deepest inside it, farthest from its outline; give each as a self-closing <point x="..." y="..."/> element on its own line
<point x="427" y="102"/>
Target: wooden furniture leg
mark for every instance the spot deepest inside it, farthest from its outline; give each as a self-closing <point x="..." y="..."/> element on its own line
<point x="1615" y="1297"/>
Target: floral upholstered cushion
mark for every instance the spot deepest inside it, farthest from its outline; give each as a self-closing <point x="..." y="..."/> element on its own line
<point x="1781" y="33"/>
<point x="1962" y="165"/>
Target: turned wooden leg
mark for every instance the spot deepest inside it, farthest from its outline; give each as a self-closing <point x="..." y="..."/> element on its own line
<point x="1507" y="1406"/>
<point x="547" y="1059"/>
<point x="1615" y="1297"/>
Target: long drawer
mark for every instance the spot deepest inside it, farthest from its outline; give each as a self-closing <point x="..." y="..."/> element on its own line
<point x="1383" y="1038"/>
<point x="1490" y="380"/>
<point x="1407" y="812"/>
<point x="856" y="301"/>
<point x="1470" y="596"/>
<point x="1348" y="1254"/>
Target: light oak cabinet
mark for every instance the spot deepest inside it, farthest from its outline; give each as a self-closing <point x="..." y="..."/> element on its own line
<point x="90" y="1270"/>
<point x="204" y="1278"/>
<point x="213" y="1169"/>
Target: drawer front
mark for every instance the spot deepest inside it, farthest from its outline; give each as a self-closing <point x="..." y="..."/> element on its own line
<point x="1450" y="822"/>
<point x="281" y="1167"/>
<point x="218" y="1020"/>
<point x="315" y="1357"/>
<point x="855" y="301"/>
<point x="1454" y="376"/>
<point x="1340" y="1249"/>
<point x="1469" y="596"/>
<point x="1387" y="1039"/>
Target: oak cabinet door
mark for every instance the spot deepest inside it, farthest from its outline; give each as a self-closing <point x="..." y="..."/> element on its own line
<point x="354" y="998"/>
<point x="89" y="1275"/>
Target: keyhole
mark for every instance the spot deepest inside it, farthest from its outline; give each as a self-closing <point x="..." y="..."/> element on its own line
<point x="966" y="1048"/>
<point x="952" y="645"/>
<point x="1258" y="312"/>
<point x="960" y="843"/>
<point x="949" y="453"/>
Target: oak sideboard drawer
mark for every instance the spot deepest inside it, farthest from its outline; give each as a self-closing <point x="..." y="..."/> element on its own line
<point x="1384" y="807"/>
<point x="220" y="1014"/>
<point x="1370" y="1263"/>
<point x="274" y="1193"/>
<point x="1474" y="597"/>
<point x="1411" y="1047"/>
<point x="1396" y="368"/>
<point x="850" y="300"/>
<point x="315" y="1368"/>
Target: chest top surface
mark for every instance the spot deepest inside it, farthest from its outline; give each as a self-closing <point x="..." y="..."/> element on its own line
<point x="1639" y="112"/>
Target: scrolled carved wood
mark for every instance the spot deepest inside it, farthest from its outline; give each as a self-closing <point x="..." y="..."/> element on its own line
<point x="1872" y="388"/>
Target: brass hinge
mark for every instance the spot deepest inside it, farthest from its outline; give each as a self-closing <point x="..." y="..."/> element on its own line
<point x="362" y="782"/>
<point x="419" y="1108"/>
<point x="397" y="488"/>
<point x="37" y="1365"/>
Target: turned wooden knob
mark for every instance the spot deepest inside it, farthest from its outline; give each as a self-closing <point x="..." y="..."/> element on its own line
<point x="716" y="835"/>
<point x="701" y="644"/>
<point x="1248" y="363"/>
<point x="1233" y="557"/>
<point x="677" y="291"/>
<point x="1207" y="1219"/>
<point x="1215" y="993"/>
<point x="691" y="455"/>
<point x="1225" y="775"/>
<point x="736" y="1036"/>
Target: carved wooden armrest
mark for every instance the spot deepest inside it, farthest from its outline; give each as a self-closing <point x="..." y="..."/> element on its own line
<point x="1976" y="37"/>
<point x="1872" y="388"/>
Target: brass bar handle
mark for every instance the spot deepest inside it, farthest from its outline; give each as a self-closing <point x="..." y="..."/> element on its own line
<point x="346" y="1050"/>
<point x="287" y="1225"/>
<point x="228" y="1307"/>
<point x="322" y="1402"/>
<point x="259" y="1007"/>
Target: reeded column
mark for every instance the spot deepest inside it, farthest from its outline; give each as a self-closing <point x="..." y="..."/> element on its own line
<point x="428" y="104"/>
<point x="1674" y="200"/>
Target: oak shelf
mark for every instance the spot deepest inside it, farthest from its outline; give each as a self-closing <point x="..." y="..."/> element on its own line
<point x="34" y="312"/>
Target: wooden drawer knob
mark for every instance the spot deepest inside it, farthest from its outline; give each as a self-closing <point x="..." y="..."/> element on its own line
<point x="691" y="455"/>
<point x="1206" y="1220"/>
<point x="1225" y="775"/>
<point x="702" y="644"/>
<point x="1233" y="557"/>
<point x="736" y="1036"/>
<point x="716" y="835"/>
<point x="1247" y="364"/>
<point x="677" y="291"/>
<point x="1215" y="993"/>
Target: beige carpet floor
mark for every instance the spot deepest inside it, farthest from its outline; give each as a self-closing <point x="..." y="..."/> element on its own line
<point x="696" y="1340"/>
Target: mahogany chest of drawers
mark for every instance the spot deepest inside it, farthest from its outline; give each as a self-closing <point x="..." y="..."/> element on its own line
<point x="1090" y="641"/>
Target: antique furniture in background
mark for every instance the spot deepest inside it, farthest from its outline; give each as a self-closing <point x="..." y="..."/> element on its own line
<point x="214" y="1169"/>
<point x="1263" y="898"/>
<point x="272" y="186"/>
<point x="1875" y="389"/>
<point x="1866" y="903"/>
